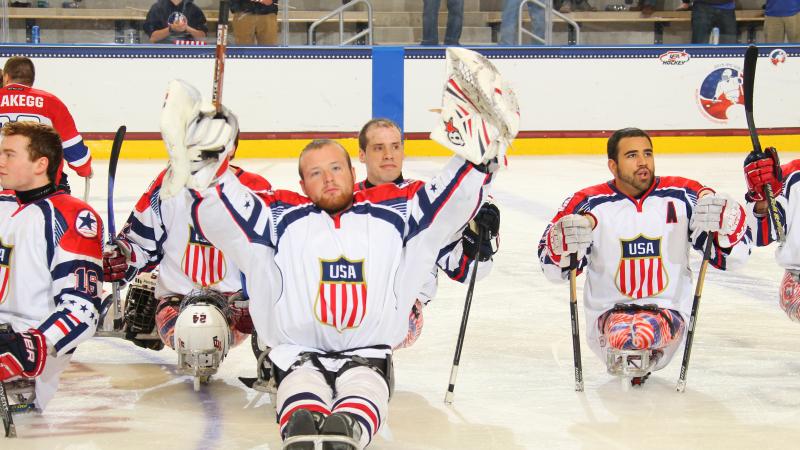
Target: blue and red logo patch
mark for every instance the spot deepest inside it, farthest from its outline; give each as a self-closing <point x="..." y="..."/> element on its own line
<point x="342" y="296"/>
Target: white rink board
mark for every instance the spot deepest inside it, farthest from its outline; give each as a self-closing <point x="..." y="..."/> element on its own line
<point x="559" y="89"/>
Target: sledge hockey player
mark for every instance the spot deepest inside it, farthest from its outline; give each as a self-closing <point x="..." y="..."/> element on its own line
<point x="50" y="264"/>
<point x="162" y="232"/>
<point x="631" y="237"/>
<point x="19" y="101"/>
<point x="763" y="169"/>
<point x="381" y="150"/>
<point x="332" y="275"/>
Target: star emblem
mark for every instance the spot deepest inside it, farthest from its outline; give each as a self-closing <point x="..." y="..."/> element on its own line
<point x="434" y="188"/>
<point x="247" y="204"/>
<point x="83" y="308"/>
<point x="87" y="221"/>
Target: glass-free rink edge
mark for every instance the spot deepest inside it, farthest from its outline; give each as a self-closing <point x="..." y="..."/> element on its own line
<point x="515" y="387"/>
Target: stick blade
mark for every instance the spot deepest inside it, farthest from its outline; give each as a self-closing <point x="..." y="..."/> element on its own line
<point x="750" y="60"/>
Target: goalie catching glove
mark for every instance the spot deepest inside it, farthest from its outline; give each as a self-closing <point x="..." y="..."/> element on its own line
<point x="21" y="354"/>
<point x="200" y="142"/>
<point x="718" y="213"/>
<point x="479" y="114"/>
<point x="570" y="234"/>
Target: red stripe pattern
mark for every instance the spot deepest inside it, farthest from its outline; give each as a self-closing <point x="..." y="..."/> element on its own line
<point x="342" y="295"/>
<point x="641" y="272"/>
<point x="640" y="330"/>
<point x="203" y="263"/>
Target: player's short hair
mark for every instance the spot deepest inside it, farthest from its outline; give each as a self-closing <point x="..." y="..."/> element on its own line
<point x="374" y="123"/>
<point x="20" y="70"/>
<point x="44" y="143"/>
<point x="317" y="144"/>
<point x="613" y="141"/>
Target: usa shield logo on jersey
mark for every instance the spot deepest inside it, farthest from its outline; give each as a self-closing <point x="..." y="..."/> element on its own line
<point x="342" y="297"/>
<point x="203" y="263"/>
<point x="5" y="270"/>
<point x="641" y="272"/>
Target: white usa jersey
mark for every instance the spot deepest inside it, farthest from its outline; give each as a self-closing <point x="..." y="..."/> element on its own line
<point x="345" y="282"/>
<point x="165" y="234"/>
<point x="788" y="202"/>
<point x="50" y="275"/>
<point x="640" y="248"/>
<point x="452" y="260"/>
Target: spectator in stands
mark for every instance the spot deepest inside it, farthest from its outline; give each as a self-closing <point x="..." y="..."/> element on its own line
<point x="255" y="21"/>
<point x="567" y="6"/>
<point x="782" y="21"/>
<point x="509" y="29"/>
<point x="430" y="22"/>
<point x="707" y="14"/>
<point x="170" y="21"/>
<point x="647" y="7"/>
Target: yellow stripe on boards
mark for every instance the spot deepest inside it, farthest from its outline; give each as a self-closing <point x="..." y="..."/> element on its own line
<point x="290" y="148"/>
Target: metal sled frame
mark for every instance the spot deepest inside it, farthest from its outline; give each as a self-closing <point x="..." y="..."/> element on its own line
<point x="23" y="393"/>
<point x="189" y="364"/>
<point x="319" y="439"/>
<point x="262" y="384"/>
<point x="631" y="363"/>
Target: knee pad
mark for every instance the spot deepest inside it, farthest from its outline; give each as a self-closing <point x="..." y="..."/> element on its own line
<point x="633" y="327"/>
<point x="790" y="296"/>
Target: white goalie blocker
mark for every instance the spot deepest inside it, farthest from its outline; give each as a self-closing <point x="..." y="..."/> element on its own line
<point x="479" y="117"/>
<point x="202" y="335"/>
<point x="199" y="141"/>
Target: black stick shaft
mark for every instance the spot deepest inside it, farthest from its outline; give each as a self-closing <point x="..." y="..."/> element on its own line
<point x="573" y="315"/>
<point x="448" y="396"/>
<point x="750" y="62"/>
<point x="116" y="148"/>
<point x="698" y="292"/>
<point x="5" y="411"/>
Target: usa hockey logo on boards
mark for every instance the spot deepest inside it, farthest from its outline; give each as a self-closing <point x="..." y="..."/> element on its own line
<point x="342" y="296"/>
<point x="674" y="58"/>
<point x="641" y="272"/>
<point x="5" y="269"/>
<point x="721" y="95"/>
<point x="203" y="263"/>
<point x="777" y="56"/>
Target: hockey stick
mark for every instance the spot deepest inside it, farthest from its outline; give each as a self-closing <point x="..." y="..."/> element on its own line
<point x="448" y="396"/>
<point x="87" y="184"/>
<point x="116" y="147"/>
<point x="573" y="315"/>
<point x="698" y="291"/>
<point x="750" y="60"/>
<point x="219" y="57"/>
<point x="5" y="411"/>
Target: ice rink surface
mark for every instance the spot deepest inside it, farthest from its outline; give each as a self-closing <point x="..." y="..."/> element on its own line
<point x="515" y="387"/>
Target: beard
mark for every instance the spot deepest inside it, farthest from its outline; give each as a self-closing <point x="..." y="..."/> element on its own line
<point x="640" y="185"/>
<point x="337" y="203"/>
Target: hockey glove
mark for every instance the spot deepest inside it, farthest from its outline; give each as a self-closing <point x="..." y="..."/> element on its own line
<point x="718" y="213"/>
<point x="762" y="169"/>
<point x="116" y="258"/>
<point x="479" y="117"/>
<point x="571" y="234"/>
<point x="22" y="354"/>
<point x="486" y="223"/>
